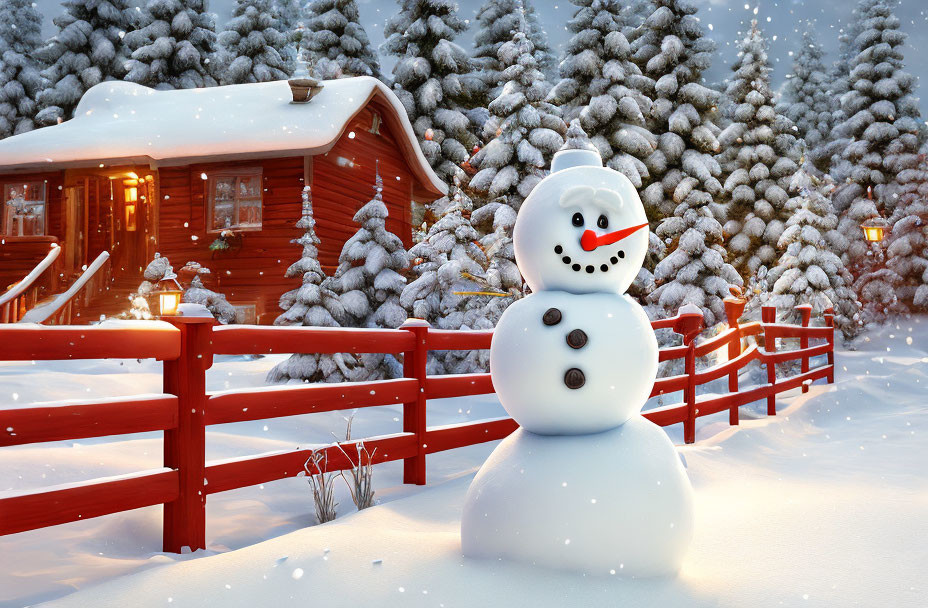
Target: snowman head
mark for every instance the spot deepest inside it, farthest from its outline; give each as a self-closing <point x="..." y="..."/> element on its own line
<point x="582" y="229"/>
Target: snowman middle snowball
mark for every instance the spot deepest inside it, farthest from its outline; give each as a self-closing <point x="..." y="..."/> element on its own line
<point x="576" y="356"/>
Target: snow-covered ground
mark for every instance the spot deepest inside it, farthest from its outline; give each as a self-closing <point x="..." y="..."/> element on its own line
<point x="824" y="504"/>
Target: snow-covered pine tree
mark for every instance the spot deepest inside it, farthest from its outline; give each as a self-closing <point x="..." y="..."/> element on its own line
<point x="807" y="100"/>
<point x="672" y="51"/>
<point x="448" y="266"/>
<point x="907" y="242"/>
<point x="839" y="77"/>
<point x="495" y="222"/>
<point x="214" y="302"/>
<point x="883" y="128"/>
<point x="175" y="48"/>
<point x="289" y="14"/>
<point x="20" y="81"/>
<point x="369" y="281"/>
<point x="20" y="26"/>
<point x="524" y="130"/>
<point x="336" y="40"/>
<point x="313" y="303"/>
<point x="290" y="24"/>
<point x="695" y="271"/>
<point x="496" y="22"/>
<point x="603" y="87"/>
<point x="810" y="271"/>
<point x="87" y="50"/>
<point x="760" y="156"/>
<point x="252" y="45"/>
<point x="434" y="79"/>
<point x="634" y="14"/>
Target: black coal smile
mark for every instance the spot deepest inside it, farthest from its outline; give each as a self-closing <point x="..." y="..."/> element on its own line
<point x="590" y="269"/>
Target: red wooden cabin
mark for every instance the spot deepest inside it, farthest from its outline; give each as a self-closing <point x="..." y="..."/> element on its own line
<point x="138" y="171"/>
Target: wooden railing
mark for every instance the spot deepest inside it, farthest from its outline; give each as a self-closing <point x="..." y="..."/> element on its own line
<point x="185" y="408"/>
<point x="20" y="297"/>
<point x="59" y="308"/>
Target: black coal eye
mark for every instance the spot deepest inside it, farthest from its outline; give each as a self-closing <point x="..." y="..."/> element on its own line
<point x="602" y="222"/>
<point x="577" y="219"/>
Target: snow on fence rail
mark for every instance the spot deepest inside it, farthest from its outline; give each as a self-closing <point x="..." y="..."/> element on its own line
<point x="186" y="408"/>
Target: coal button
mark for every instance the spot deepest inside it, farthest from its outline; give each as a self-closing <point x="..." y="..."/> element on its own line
<point x="576" y="338"/>
<point x="552" y="316"/>
<point x="574" y="378"/>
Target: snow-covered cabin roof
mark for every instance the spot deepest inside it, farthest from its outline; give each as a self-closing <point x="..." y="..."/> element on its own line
<point x="118" y="123"/>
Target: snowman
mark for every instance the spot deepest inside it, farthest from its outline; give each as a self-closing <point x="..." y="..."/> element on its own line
<point x="586" y="484"/>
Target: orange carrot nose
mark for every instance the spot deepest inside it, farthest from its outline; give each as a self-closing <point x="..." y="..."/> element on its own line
<point x="590" y="241"/>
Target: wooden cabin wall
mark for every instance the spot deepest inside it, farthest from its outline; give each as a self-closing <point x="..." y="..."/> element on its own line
<point x="252" y="270"/>
<point x="340" y="189"/>
<point x="19" y="255"/>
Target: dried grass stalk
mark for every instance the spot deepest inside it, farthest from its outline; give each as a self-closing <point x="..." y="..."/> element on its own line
<point x="322" y="484"/>
<point x="360" y="485"/>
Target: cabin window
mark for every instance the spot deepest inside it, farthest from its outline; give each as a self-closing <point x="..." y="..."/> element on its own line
<point x="233" y="200"/>
<point x="24" y="209"/>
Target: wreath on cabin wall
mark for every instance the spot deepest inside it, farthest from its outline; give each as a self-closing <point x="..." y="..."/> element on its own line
<point x="226" y="241"/>
<point x="222" y="241"/>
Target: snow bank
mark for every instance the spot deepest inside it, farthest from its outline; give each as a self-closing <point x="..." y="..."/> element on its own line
<point x="822" y="505"/>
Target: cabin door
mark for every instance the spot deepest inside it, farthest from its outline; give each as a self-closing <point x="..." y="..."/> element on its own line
<point x="75" y="243"/>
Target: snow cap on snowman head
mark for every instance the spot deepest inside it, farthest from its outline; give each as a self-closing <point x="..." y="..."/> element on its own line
<point x="582" y="229"/>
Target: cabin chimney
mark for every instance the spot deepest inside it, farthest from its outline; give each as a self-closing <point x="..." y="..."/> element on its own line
<point x="303" y="86"/>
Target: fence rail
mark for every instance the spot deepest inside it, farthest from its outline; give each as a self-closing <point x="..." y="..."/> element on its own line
<point x="186" y="408"/>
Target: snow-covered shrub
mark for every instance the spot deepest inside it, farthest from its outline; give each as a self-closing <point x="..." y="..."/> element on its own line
<point x="435" y="80"/>
<point x="214" y="302"/>
<point x="252" y="45"/>
<point x="523" y="131"/>
<point x="175" y="46"/>
<point x="336" y="40"/>
<point x="87" y="50"/>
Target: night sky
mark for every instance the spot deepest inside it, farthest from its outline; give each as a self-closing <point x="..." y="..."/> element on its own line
<point x="725" y="21"/>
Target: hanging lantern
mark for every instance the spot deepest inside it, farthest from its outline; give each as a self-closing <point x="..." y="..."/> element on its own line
<point x="874" y="230"/>
<point x="169" y="295"/>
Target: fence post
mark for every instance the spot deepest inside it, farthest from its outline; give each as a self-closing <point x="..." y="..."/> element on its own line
<point x="830" y="322"/>
<point x="414" y="420"/>
<point x="805" y="313"/>
<point x="768" y="315"/>
<point x="734" y="308"/>
<point x="688" y="324"/>
<point x="185" y="446"/>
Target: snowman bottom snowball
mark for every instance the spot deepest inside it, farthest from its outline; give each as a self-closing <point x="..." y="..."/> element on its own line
<point x="612" y="503"/>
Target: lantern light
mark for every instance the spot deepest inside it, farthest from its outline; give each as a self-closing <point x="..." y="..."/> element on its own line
<point x="169" y="295"/>
<point x="874" y="230"/>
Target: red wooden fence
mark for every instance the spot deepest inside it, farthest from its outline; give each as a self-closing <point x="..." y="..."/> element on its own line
<point x="186" y="408"/>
